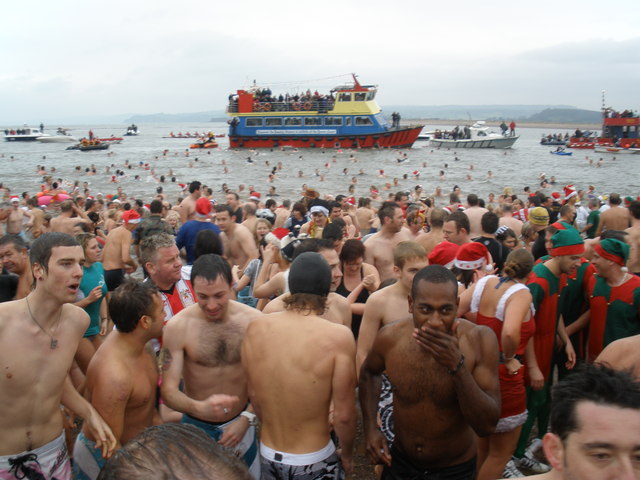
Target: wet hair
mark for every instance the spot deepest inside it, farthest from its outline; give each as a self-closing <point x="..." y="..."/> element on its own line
<point x="438" y="217"/>
<point x="472" y="199"/>
<point x="94" y="217"/>
<point x="155" y="207"/>
<point x="388" y="209"/>
<point x="566" y="208"/>
<point x="312" y="245"/>
<point x="235" y="195"/>
<point x="270" y="203"/>
<point x="634" y="209"/>
<point x="149" y="246"/>
<point x="434" y="274"/>
<point x="299" y="207"/>
<point x="223" y="207"/>
<point x="249" y="209"/>
<point x="16" y="240"/>
<point x="364" y="202"/>
<point x="505" y="234"/>
<point x="207" y="241"/>
<point x="594" y="383"/>
<point x="41" y="248"/>
<point x="461" y="220"/>
<point x="129" y="302"/>
<point x="195" y="185"/>
<point x="84" y="238"/>
<point x="352" y="249"/>
<point x="489" y="222"/>
<point x="82" y="226"/>
<point x="209" y="267"/>
<point x="406" y="251"/>
<point x="454" y="198"/>
<point x="334" y="230"/>
<point x="66" y="206"/>
<point x="614" y="199"/>
<point x="616" y="234"/>
<point x="173" y="451"/>
<point x="518" y="264"/>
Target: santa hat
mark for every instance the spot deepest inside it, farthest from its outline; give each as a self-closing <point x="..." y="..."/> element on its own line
<point x="131" y="216"/>
<point x="471" y="256"/>
<point x="614" y="250"/>
<point x="255" y="196"/>
<point x="443" y="254"/>
<point x="203" y="207"/>
<point x="555" y="195"/>
<point x="351" y="200"/>
<point x="570" y="191"/>
<point x="15" y="199"/>
<point x="567" y="242"/>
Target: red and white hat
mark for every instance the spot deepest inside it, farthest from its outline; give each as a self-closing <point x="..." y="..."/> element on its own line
<point x="255" y="196"/>
<point x="472" y="256"/>
<point x="570" y="191"/>
<point x="443" y="254"/>
<point x="15" y="199"/>
<point x="131" y="216"/>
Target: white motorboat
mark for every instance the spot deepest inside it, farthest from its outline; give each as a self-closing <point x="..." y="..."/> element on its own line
<point x="63" y="136"/>
<point x="24" y="134"/>
<point x="477" y="136"/>
<point x="425" y="136"/>
<point x="616" y="150"/>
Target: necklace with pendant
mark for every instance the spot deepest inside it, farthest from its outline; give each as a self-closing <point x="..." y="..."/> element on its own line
<point x="54" y="341"/>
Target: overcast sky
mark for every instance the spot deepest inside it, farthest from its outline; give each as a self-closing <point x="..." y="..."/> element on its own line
<point x="68" y="59"/>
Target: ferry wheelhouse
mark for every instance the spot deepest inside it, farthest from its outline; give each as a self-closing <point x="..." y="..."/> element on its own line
<point x="620" y="130"/>
<point x="348" y="117"/>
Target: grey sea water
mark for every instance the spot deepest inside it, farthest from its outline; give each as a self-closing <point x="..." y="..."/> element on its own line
<point x="515" y="168"/>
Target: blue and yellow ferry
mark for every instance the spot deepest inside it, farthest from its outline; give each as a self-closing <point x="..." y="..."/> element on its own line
<point x="347" y="117"/>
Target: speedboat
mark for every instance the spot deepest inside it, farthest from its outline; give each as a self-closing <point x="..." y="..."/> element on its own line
<point x="476" y="136"/>
<point x="24" y="134"/>
<point x="561" y="152"/>
<point x="425" y="136"/>
<point x="62" y="136"/>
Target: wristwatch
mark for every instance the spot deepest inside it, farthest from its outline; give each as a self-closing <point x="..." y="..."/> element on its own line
<point x="253" y="420"/>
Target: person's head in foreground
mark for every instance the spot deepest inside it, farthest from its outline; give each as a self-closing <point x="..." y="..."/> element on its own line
<point x="173" y="451"/>
<point x="595" y="426"/>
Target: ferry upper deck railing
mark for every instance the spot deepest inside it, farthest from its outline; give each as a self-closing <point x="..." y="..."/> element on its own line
<point x="320" y="106"/>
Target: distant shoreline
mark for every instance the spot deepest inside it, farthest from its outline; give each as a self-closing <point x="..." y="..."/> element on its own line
<point x="562" y="126"/>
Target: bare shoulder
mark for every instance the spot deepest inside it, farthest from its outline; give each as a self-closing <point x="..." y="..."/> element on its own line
<point x="181" y="319"/>
<point x="338" y="300"/>
<point x="77" y="315"/>
<point x="239" y="312"/>
<point x="621" y="353"/>
<point x="276" y="305"/>
<point x="476" y="334"/>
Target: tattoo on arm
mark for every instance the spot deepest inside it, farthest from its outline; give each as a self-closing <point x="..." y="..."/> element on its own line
<point x="166" y="359"/>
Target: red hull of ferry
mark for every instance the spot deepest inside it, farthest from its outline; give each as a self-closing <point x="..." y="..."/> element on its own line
<point x="401" y="138"/>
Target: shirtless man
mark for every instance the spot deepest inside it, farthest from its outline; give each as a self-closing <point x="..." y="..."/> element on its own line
<point x="36" y="223"/>
<point x="430" y="239"/>
<point x="380" y="246"/>
<point x="633" y="238"/>
<point x="187" y="207"/>
<point x="295" y="442"/>
<point x="509" y="220"/>
<point x="456" y="228"/>
<point x="69" y="216"/>
<point x="595" y="419"/>
<point x="116" y="256"/>
<point x="202" y="347"/>
<point x="15" y="258"/>
<point x="14" y="221"/>
<point x="282" y="213"/>
<point x="615" y="218"/>
<point x="39" y="337"/>
<point x="446" y="392"/>
<point x="239" y="246"/>
<point x="366" y="216"/>
<point x="338" y="308"/>
<point x="122" y="377"/>
<point x="623" y="354"/>
<point x="390" y="304"/>
<point x="474" y="213"/>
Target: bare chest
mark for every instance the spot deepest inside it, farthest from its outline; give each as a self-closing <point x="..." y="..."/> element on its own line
<point x="216" y="345"/>
<point x="145" y="382"/>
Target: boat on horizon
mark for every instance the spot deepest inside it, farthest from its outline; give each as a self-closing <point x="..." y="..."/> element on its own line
<point x="132" y="130"/>
<point x="477" y="135"/>
<point x="620" y="130"/>
<point x="347" y="117"/>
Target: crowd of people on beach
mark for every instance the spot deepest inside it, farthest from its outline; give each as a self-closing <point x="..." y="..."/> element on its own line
<point x="233" y="335"/>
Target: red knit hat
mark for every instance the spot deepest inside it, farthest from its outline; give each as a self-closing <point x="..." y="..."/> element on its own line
<point x="203" y="206"/>
<point x="472" y="256"/>
<point x="443" y="254"/>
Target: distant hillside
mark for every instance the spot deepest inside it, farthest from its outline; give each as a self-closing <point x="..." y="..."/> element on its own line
<point x="566" y="115"/>
<point x="470" y="112"/>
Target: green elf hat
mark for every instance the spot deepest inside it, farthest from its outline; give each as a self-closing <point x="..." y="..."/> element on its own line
<point x="567" y="242"/>
<point x="614" y="250"/>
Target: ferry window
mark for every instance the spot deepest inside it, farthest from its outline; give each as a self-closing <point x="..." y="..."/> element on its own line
<point x="293" y="121"/>
<point x="347" y="121"/>
<point x="273" y="122"/>
<point x="363" y="121"/>
<point x="313" y="121"/>
<point x="345" y="97"/>
<point x="480" y="133"/>
<point x="333" y="121"/>
<point x="371" y="95"/>
<point x="254" y="122"/>
<point x="360" y="96"/>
